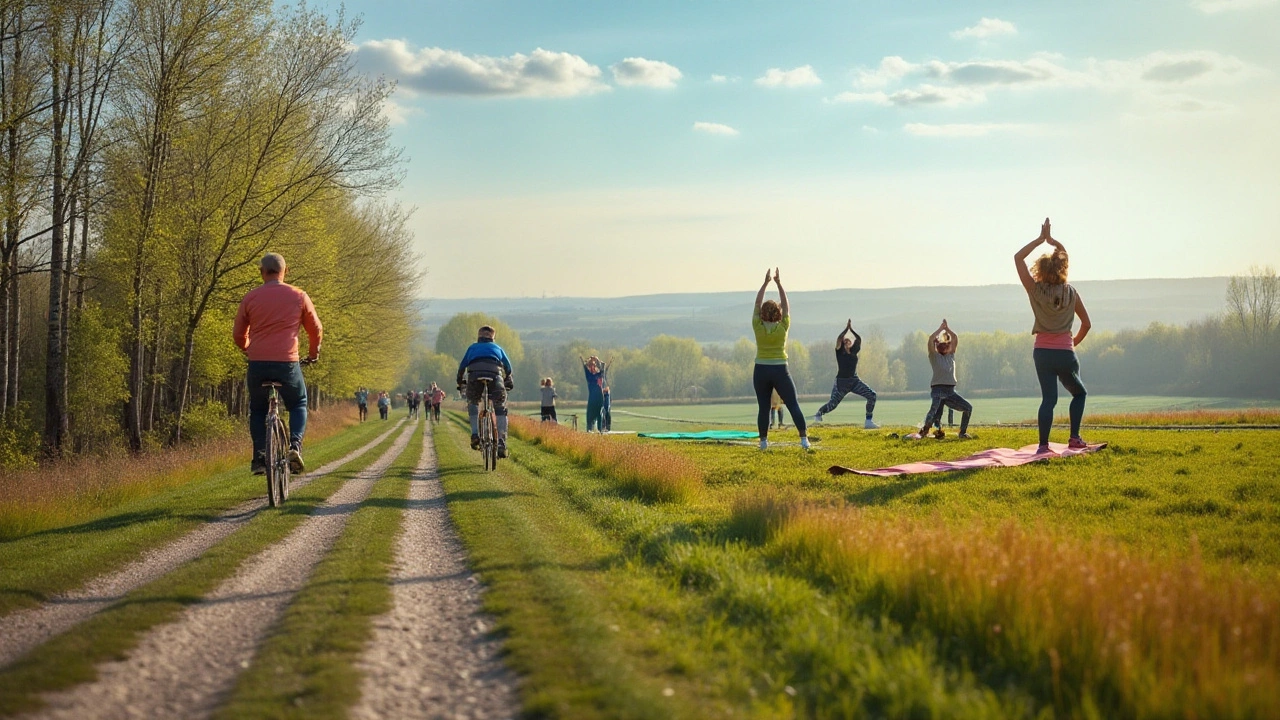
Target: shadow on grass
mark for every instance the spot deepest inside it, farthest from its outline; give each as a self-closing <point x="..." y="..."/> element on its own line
<point x="885" y="494"/>
<point x="122" y="520"/>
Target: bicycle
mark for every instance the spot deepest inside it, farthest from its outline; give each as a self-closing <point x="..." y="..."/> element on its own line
<point x="488" y="429"/>
<point x="278" y="473"/>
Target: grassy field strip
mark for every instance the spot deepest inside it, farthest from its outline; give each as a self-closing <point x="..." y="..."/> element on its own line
<point x="71" y="658"/>
<point x="41" y="566"/>
<point x="306" y="667"/>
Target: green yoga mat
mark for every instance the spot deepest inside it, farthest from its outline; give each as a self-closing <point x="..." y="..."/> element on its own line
<point x="704" y="435"/>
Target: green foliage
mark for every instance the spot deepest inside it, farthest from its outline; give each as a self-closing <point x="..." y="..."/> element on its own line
<point x="19" y="441"/>
<point x="459" y="332"/>
<point x="208" y="420"/>
<point x="96" y="372"/>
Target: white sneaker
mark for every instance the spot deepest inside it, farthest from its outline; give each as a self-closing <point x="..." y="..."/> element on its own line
<point x="817" y="418"/>
<point x="764" y="444"/>
<point x="804" y="443"/>
<point x="870" y="425"/>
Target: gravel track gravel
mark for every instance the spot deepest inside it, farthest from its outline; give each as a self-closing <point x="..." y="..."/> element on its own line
<point x="184" y="668"/>
<point x="433" y="655"/>
<point x="25" y="629"/>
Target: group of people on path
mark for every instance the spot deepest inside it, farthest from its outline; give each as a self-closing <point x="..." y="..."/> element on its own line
<point x="1055" y="305"/>
<point x="414" y="401"/>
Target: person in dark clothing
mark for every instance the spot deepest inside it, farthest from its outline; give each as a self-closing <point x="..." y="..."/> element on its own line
<point x="486" y="360"/>
<point x="847" y="380"/>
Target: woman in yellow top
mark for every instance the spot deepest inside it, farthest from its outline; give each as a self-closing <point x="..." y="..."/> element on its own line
<point x="770" y="321"/>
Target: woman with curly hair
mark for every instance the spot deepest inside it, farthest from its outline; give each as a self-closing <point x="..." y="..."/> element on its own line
<point x="1056" y="305"/>
<point x="770" y="320"/>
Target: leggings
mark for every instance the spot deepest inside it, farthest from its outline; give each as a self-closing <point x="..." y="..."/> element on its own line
<point x="946" y="396"/>
<point x="778" y="412"/>
<point x="595" y="405"/>
<point x="1053" y="366"/>
<point x="548" y="413"/>
<point x="766" y="379"/>
<point x="843" y="387"/>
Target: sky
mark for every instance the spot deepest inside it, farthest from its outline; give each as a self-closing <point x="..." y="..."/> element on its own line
<point x="607" y="149"/>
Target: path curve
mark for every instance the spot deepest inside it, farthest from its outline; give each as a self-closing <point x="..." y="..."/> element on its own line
<point x="433" y="655"/>
<point x="182" y="669"/>
<point x="25" y="629"/>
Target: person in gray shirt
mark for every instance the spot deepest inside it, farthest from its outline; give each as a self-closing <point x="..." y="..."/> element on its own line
<point x="548" y="401"/>
<point x="942" y="389"/>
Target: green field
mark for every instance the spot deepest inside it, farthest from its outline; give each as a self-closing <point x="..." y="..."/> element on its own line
<point x="905" y="413"/>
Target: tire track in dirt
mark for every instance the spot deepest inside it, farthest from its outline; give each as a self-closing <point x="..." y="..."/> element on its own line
<point x="184" y="668"/>
<point x="25" y="629"/>
<point x="433" y="655"/>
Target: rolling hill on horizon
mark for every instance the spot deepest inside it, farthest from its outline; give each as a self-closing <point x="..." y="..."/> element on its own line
<point x="722" y="317"/>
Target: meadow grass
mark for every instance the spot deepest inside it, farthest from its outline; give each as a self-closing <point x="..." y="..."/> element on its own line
<point x="648" y="471"/>
<point x="307" y="668"/>
<point x="42" y="563"/>
<point x="1238" y="416"/>
<point x="71" y="658"/>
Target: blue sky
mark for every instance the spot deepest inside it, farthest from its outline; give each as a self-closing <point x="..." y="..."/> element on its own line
<point x="600" y="148"/>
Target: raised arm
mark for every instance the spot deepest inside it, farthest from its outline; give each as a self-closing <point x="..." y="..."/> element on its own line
<point x="840" y="338"/>
<point x="955" y="339"/>
<point x="1085" y="325"/>
<point x="782" y="295"/>
<point x="1020" y="257"/>
<point x="760" y="295"/>
<point x="934" y="337"/>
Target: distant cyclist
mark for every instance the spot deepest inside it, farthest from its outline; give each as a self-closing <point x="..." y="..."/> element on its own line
<point x="266" y="329"/>
<point x="362" y="402"/>
<point x="486" y="360"/>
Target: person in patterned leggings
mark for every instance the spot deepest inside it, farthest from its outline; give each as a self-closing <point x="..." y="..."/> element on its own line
<point x="847" y="380"/>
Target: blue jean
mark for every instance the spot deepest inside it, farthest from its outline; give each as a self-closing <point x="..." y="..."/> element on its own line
<point x="293" y="396"/>
<point x="941" y="396"/>
<point x="766" y="379"/>
<point x="1053" y="366"/>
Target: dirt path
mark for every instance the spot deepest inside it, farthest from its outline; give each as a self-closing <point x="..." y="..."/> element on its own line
<point x="182" y="669"/>
<point x="25" y="629"/>
<point x="432" y="656"/>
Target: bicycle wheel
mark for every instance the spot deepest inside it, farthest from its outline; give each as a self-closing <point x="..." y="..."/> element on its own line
<point x="493" y="439"/>
<point x="284" y="475"/>
<point x="486" y="450"/>
<point x="273" y="499"/>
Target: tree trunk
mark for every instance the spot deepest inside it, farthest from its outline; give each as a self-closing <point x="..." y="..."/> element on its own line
<point x="184" y="379"/>
<point x="55" y="378"/>
<point x="15" y="329"/>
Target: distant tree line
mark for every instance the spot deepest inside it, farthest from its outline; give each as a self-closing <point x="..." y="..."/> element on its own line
<point x="150" y="152"/>
<point x="1232" y="355"/>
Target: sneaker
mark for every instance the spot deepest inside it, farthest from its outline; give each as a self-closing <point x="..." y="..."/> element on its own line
<point x="475" y="442"/>
<point x="296" y="466"/>
<point x="965" y="436"/>
<point x="1076" y="443"/>
<point x="502" y="449"/>
<point x="804" y="443"/>
<point x="1043" y="450"/>
<point x="817" y="418"/>
<point x="259" y="464"/>
<point x="764" y="444"/>
<point x="939" y="434"/>
<point x="870" y="425"/>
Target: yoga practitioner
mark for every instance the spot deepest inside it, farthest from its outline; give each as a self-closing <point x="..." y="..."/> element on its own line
<point x="1056" y="305"/>
<point x="594" y="370"/>
<point x="770" y="321"/>
<point x="942" y="389"/>
<point x="847" y="380"/>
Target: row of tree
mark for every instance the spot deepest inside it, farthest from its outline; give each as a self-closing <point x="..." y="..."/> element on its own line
<point x="1230" y="355"/>
<point x="150" y="152"/>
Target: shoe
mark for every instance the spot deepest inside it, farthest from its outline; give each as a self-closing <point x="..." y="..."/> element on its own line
<point x="1076" y="443"/>
<point x="817" y="418"/>
<point x="965" y="436"/>
<point x="475" y="442"/>
<point x="296" y="466"/>
<point x="870" y="425"/>
<point x="1043" y="450"/>
<point x="764" y="444"/>
<point x="939" y="434"/>
<point x="259" y="464"/>
<point x="804" y="443"/>
<point x="502" y="449"/>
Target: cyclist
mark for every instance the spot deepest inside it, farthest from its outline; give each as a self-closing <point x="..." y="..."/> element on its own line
<point x="362" y="402"/>
<point x="485" y="359"/>
<point x="266" y="329"/>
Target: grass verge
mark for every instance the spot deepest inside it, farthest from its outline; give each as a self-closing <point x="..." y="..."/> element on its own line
<point x="39" y="565"/>
<point x="307" y="667"/>
<point x="71" y="658"/>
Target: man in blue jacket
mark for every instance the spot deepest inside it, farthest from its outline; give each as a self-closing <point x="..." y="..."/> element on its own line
<point x="485" y="359"/>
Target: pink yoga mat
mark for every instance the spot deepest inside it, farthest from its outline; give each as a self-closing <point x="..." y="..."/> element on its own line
<point x="996" y="457"/>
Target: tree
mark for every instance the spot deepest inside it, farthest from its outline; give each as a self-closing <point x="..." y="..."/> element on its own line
<point x="675" y="365"/>
<point x="459" y="332"/>
<point x="1253" y="303"/>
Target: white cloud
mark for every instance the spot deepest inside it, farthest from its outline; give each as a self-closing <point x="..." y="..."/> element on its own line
<point x="986" y="27"/>
<point x="398" y="114"/>
<point x="436" y="71"/>
<point x="797" y="77"/>
<point x="963" y="129"/>
<point x="1213" y="7"/>
<point x="922" y="95"/>
<point x="719" y="79"/>
<point x="1037" y="70"/>
<point x="714" y="128"/>
<point x="647" y="73"/>
<point x="890" y="70"/>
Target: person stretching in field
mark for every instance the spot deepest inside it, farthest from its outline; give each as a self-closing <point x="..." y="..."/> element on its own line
<point x="1056" y="305"/>
<point x="770" y="322"/>
<point x="847" y="380"/>
<point x="942" y="390"/>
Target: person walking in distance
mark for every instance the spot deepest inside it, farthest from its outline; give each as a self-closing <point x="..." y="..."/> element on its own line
<point x="362" y="402"/>
<point x="1056" y="305"/>
<point x="266" y="330"/>
<point x="548" y="393"/>
<point x="847" y="380"/>
<point x="942" y="389"/>
<point x="485" y="360"/>
<point x="437" y="396"/>
<point x="384" y="404"/>
<point x="770" y="322"/>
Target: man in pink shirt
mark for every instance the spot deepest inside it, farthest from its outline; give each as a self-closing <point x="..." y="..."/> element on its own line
<point x="266" y="330"/>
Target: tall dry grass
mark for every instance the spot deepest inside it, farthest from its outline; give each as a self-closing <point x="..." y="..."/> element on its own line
<point x="1245" y="416"/>
<point x="79" y="488"/>
<point x="649" y="472"/>
<point x="1090" y="627"/>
